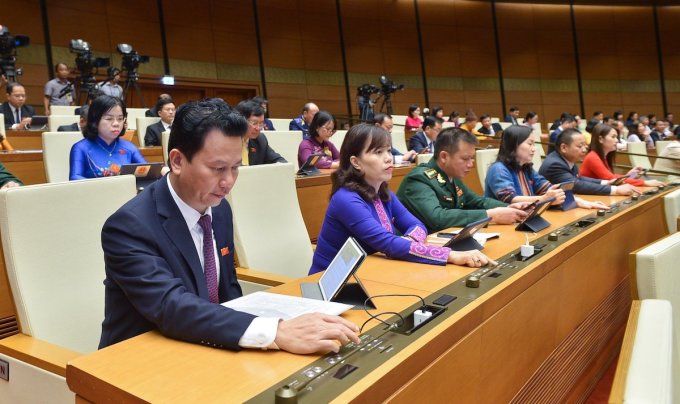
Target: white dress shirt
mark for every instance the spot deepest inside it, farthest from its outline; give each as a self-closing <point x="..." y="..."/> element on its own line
<point x="261" y="333"/>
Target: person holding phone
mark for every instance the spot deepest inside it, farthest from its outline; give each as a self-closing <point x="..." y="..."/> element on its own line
<point x="363" y="207"/>
<point x="599" y="161"/>
<point x="512" y="179"/>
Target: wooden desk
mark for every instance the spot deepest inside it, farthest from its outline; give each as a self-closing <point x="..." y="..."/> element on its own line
<point x="543" y="335"/>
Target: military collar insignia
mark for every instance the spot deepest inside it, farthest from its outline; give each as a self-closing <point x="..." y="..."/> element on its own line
<point x="430" y="173"/>
<point x="441" y="179"/>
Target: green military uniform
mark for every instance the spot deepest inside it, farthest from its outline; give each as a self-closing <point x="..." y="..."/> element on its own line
<point x="6" y="176"/>
<point x="439" y="203"/>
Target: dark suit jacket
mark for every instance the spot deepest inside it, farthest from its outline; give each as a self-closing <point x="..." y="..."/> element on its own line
<point x="418" y="142"/>
<point x="154" y="279"/>
<point x="496" y="128"/>
<point x="259" y="152"/>
<point x="556" y="170"/>
<point x="69" y="128"/>
<point x="510" y="119"/>
<point x="151" y="112"/>
<point x="26" y="112"/>
<point x="152" y="137"/>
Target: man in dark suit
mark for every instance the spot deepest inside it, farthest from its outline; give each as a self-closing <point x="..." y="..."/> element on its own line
<point x="17" y="113"/>
<point x="423" y="141"/>
<point x="153" y="111"/>
<point x="560" y="166"/>
<point x="255" y="143"/>
<point x="512" y="116"/>
<point x="169" y="251"/>
<point x="302" y="122"/>
<point x="488" y="128"/>
<point x="76" y="126"/>
<point x="166" y="111"/>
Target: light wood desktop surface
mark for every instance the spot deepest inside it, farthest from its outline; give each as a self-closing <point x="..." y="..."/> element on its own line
<point x="546" y="333"/>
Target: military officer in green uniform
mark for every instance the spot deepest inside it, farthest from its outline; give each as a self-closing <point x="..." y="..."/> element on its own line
<point x="434" y="192"/>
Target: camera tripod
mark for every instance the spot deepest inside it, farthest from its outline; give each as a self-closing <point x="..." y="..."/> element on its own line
<point x="131" y="85"/>
<point x="88" y="86"/>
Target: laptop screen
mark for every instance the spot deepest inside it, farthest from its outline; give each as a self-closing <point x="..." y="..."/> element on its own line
<point x="344" y="264"/>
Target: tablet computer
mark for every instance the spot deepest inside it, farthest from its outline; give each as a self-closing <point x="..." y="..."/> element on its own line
<point x="333" y="284"/>
<point x="309" y="168"/>
<point x="569" y="199"/>
<point x="38" y="122"/>
<point x="534" y="222"/>
<point x="464" y="240"/>
<point x="145" y="173"/>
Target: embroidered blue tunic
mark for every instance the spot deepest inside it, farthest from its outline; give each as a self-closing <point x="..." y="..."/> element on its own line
<point x="95" y="158"/>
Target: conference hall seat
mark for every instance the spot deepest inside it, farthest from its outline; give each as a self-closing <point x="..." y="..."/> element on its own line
<point x="133" y="114"/>
<point x="51" y="237"/>
<point x="646" y="371"/>
<point x="165" y="138"/>
<point x="639" y="158"/>
<point x="286" y="143"/>
<point x="655" y="274"/>
<point x="483" y="160"/>
<point x="271" y="240"/>
<point x="64" y="110"/>
<point x="661" y="145"/>
<point x="399" y="141"/>
<point x="671" y="204"/>
<point x="142" y="123"/>
<point x="337" y="138"/>
<point x="280" y="124"/>
<point x="423" y="158"/>
<point x="56" y="154"/>
<point x="55" y="121"/>
<point x="2" y="127"/>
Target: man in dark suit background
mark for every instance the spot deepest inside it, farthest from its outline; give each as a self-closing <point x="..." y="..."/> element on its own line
<point x="488" y="128"/>
<point x="76" y="126"/>
<point x="560" y="166"/>
<point x="153" y="111"/>
<point x="302" y="122"/>
<point x="17" y="113"/>
<point x="256" y="146"/>
<point x="166" y="111"/>
<point x="169" y="251"/>
<point x="512" y="116"/>
<point x="423" y="141"/>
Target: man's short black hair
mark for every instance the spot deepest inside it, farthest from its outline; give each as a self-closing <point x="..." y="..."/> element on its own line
<point x="431" y="121"/>
<point x="196" y="118"/>
<point x="249" y="108"/>
<point x="513" y="109"/>
<point x="379" y="118"/>
<point x="565" y="137"/>
<point x="56" y="67"/>
<point x="12" y="86"/>
<point x="161" y="103"/>
<point x="566" y="118"/>
<point x="449" y="140"/>
<point x="259" y="99"/>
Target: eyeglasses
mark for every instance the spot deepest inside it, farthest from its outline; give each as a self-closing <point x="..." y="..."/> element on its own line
<point x="256" y="124"/>
<point x="328" y="129"/>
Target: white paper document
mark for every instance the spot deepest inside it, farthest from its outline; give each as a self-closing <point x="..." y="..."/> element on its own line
<point x="264" y="304"/>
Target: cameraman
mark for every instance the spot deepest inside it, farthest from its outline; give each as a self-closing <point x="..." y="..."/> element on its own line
<point x="17" y="114"/>
<point x="111" y="86"/>
<point x="59" y="90"/>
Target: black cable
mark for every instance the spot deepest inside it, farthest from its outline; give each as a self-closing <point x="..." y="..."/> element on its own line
<point x="375" y="316"/>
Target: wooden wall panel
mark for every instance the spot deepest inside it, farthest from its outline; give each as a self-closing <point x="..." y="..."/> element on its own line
<point x="215" y="39"/>
<point x="618" y="58"/>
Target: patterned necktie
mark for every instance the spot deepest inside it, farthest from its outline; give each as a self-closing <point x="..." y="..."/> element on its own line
<point x="209" y="265"/>
<point x="244" y="154"/>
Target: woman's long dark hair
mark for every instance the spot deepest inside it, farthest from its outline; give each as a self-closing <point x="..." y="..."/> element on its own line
<point x="513" y="136"/>
<point x="600" y="132"/>
<point x="356" y="140"/>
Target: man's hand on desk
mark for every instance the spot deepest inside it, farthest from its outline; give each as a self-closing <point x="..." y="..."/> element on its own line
<point x="508" y="215"/>
<point x="311" y="333"/>
<point x="627" y="189"/>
